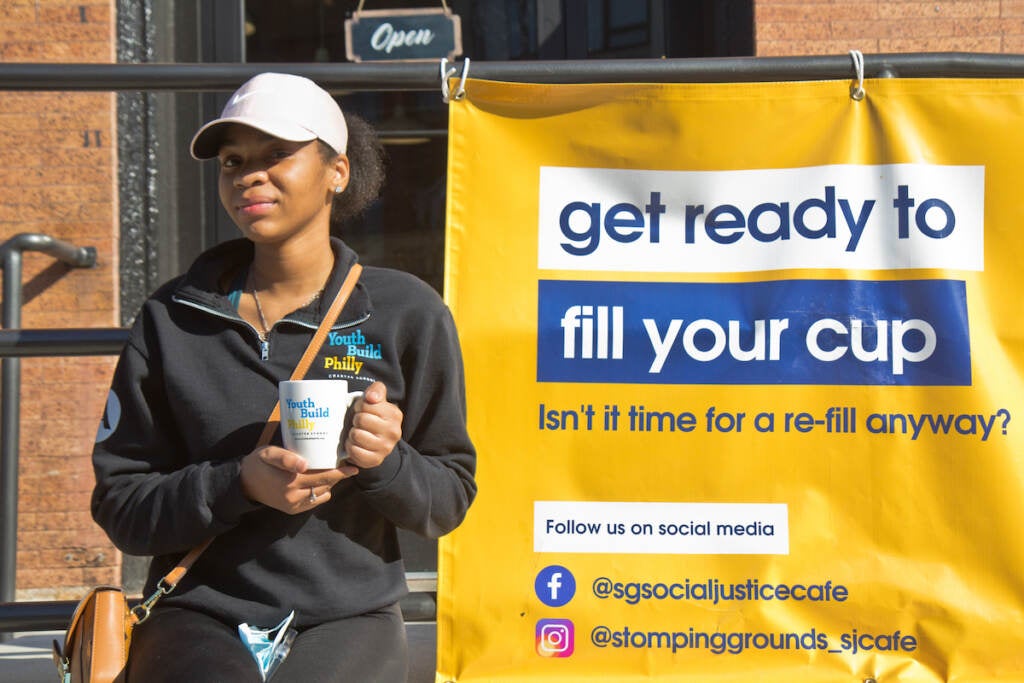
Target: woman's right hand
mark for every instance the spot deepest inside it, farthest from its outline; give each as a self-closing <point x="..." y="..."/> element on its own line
<point x="280" y="479"/>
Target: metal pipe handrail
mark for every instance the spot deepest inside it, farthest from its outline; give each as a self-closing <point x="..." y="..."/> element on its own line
<point x="214" y="77"/>
<point x="10" y="386"/>
<point x="83" y="341"/>
<point x="76" y="257"/>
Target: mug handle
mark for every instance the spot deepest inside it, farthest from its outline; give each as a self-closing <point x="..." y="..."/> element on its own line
<point x="351" y="398"/>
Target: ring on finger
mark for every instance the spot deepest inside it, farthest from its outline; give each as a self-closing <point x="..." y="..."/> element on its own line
<point x="312" y="495"/>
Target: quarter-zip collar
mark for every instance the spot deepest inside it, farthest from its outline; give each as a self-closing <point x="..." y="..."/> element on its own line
<point x="202" y="287"/>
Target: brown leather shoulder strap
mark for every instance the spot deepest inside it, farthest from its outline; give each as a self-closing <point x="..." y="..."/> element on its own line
<point x="340" y="299"/>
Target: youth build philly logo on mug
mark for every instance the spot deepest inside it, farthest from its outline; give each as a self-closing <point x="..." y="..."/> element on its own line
<point x="313" y="416"/>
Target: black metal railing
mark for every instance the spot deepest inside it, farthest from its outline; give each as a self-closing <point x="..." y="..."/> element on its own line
<point x="368" y="76"/>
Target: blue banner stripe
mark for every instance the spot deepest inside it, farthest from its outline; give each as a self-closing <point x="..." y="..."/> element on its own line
<point x="825" y="332"/>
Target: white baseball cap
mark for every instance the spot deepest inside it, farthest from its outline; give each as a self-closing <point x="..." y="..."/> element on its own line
<point x="282" y="105"/>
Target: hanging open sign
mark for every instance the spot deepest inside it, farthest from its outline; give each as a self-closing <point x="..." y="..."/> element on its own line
<point x="403" y="35"/>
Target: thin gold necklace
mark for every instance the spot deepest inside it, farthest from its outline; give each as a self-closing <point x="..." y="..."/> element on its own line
<point x="259" y="311"/>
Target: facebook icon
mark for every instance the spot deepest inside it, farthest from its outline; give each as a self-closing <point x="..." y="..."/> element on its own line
<point x="555" y="585"/>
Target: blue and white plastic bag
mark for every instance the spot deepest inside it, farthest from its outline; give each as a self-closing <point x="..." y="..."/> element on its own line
<point x="269" y="646"/>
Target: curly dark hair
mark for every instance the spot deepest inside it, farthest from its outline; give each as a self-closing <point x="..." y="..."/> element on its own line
<point x="366" y="170"/>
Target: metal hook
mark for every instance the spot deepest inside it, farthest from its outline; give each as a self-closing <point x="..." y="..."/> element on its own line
<point x="460" y="92"/>
<point x="447" y="73"/>
<point x="857" y="89"/>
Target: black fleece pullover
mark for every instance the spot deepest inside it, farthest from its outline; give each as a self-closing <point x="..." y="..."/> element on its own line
<point x="191" y="392"/>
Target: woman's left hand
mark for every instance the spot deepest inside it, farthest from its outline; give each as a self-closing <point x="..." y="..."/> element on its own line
<point x="376" y="428"/>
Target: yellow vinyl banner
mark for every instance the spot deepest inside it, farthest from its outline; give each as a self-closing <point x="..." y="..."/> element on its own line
<point x="744" y="373"/>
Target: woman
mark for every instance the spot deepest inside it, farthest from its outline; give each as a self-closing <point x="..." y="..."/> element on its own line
<point x="175" y="460"/>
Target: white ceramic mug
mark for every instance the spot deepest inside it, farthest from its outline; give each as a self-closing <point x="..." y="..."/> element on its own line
<point x="312" y="417"/>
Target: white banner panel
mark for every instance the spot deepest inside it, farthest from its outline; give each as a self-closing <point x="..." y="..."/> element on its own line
<point x="890" y="216"/>
<point x="673" y="528"/>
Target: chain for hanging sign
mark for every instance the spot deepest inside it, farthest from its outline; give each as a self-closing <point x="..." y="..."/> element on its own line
<point x="359" y="9"/>
<point x="405" y="35"/>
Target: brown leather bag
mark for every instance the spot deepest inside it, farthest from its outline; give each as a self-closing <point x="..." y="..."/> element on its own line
<point x="97" y="641"/>
<point x="100" y="633"/>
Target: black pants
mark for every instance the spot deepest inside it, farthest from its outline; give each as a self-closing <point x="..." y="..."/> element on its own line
<point x="178" y="645"/>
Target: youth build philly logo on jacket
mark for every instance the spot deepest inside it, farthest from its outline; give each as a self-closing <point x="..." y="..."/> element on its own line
<point x="348" y="353"/>
<point x="825" y="332"/>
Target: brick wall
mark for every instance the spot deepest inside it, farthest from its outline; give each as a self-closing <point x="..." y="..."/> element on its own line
<point x="814" y="27"/>
<point x="58" y="177"/>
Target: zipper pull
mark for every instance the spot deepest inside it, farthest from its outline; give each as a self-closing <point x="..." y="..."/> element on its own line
<point x="264" y="349"/>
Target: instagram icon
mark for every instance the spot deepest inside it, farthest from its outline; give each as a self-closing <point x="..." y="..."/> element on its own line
<point x="555" y="638"/>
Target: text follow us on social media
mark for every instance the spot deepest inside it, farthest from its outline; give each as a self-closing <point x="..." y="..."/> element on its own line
<point x="672" y="528"/>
